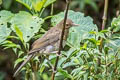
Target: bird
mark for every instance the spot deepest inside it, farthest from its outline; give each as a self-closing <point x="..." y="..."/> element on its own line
<point x="49" y="42"/>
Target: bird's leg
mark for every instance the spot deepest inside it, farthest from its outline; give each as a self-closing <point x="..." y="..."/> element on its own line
<point x="56" y="52"/>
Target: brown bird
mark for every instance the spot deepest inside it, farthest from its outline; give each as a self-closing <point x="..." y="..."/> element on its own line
<point x="49" y="42"/>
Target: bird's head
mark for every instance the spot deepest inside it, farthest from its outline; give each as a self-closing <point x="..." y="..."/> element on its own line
<point x="69" y="24"/>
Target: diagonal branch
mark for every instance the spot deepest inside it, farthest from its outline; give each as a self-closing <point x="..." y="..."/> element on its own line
<point x="61" y="40"/>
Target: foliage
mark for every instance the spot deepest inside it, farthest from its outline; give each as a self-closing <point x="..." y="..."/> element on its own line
<point x="77" y="33"/>
<point x="82" y="4"/>
<point x="80" y="61"/>
<point x="36" y="5"/>
<point x="5" y="17"/>
<point x="21" y="27"/>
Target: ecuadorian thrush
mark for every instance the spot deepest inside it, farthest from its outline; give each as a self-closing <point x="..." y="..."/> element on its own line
<point x="49" y="42"/>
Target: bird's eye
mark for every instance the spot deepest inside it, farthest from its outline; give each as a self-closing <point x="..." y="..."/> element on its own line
<point x="67" y="24"/>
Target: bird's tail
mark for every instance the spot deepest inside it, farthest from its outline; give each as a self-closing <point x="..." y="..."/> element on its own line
<point x="17" y="71"/>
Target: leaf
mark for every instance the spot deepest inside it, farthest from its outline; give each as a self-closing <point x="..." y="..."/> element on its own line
<point x="113" y="44"/>
<point x="61" y="61"/>
<point x="5" y="16"/>
<point x="27" y="24"/>
<point x="6" y="4"/>
<point x="5" y="31"/>
<point x="20" y="53"/>
<point x="77" y="71"/>
<point x="26" y="3"/>
<point x="64" y="73"/>
<point x="10" y="44"/>
<point x="115" y="24"/>
<point x="18" y="32"/>
<point x="42" y="69"/>
<point x="18" y="61"/>
<point x="48" y="2"/>
<point x="114" y="41"/>
<point x="79" y="33"/>
<point x="38" y="4"/>
<point x="69" y="64"/>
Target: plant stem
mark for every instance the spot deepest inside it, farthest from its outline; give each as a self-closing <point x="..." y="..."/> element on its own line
<point x="34" y="75"/>
<point x="41" y="12"/>
<point x="47" y="17"/>
<point x="106" y="63"/>
<point x="103" y="26"/>
<point x="51" y="9"/>
<point x="27" y="75"/>
<point x="105" y="14"/>
<point x="61" y="40"/>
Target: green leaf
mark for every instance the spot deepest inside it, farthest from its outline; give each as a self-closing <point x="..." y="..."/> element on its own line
<point x="20" y="53"/>
<point x="78" y="72"/>
<point x="19" y="33"/>
<point x="80" y="32"/>
<point x="69" y="64"/>
<point x="64" y="73"/>
<point x="18" y="61"/>
<point x="42" y="69"/>
<point x="61" y="61"/>
<point x="113" y="44"/>
<point x="7" y="3"/>
<point x="27" y="24"/>
<point x="10" y="44"/>
<point x="38" y="4"/>
<point x="114" y="41"/>
<point x="115" y="25"/>
<point x="26" y="3"/>
<point x="4" y="32"/>
<point x="5" y="17"/>
<point x="48" y="2"/>
<point x="104" y="31"/>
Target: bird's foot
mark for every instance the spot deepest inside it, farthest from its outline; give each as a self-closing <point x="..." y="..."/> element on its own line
<point x="58" y="54"/>
<point x="54" y="71"/>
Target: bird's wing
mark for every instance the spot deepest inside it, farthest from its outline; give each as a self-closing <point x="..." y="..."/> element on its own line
<point x="52" y="36"/>
<point x="19" y="68"/>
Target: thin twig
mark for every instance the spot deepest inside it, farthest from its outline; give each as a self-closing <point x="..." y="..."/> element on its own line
<point x="34" y="76"/>
<point x="61" y="40"/>
<point x="103" y="26"/>
<point x="118" y="10"/>
<point x="105" y="14"/>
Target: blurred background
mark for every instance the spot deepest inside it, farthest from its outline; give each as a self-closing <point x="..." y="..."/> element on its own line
<point x="92" y="8"/>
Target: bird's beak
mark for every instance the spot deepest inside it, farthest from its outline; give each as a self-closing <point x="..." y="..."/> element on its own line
<point x="73" y="24"/>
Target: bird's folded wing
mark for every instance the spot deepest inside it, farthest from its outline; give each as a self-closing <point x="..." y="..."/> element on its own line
<point x="48" y="39"/>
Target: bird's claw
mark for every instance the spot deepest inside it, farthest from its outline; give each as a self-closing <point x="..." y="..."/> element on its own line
<point x="58" y="54"/>
<point x="54" y="71"/>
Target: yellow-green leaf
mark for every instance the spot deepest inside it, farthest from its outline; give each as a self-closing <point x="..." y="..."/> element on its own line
<point x="38" y="4"/>
<point x="18" y="32"/>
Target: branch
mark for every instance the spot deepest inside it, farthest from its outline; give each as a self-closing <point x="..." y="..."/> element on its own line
<point x="103" y="26"/>
<point x="61" y="40"/>
<point x="105" y="14"/>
